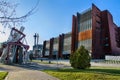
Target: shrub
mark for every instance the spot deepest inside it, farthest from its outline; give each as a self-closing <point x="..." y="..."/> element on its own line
<point x="80" y="59"/>
<point x="31" y="56"/>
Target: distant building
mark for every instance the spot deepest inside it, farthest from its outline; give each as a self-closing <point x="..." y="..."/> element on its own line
<point x="67" y="45"/>
<point x="37" y="48"/>
<point x="93" y="29"/>
<point x="46" y="46"/>
<point x="58" y="47"/>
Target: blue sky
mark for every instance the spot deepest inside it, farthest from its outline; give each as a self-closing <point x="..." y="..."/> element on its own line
<point x="54" y="17"/>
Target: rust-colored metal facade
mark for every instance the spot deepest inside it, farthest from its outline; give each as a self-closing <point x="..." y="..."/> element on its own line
<point x="51" y="48"/>
<point x="81" y="31"/>
<point x="93" y="29"/>
<point x="60" y="46"/>
<point x="85" y="35"/>
<point x="118" y="36"/>
<point x="44" y="48"/>
<point x="74" y="34"/>
<point x="97" y="46"/>
<point x="107" y="33"/>
<point x="104" y="34"/>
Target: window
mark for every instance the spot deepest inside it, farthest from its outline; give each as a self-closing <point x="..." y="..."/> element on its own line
<point x="99" y="22"/>
<point x="98" y="15"/>
<point x="106" y="38"/>
<point x="106" y="45"/>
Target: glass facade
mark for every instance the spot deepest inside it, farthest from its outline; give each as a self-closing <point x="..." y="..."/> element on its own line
<point x="47" y="48"/>
<point x="84" y="35"/>
<point x="85" y="30"/>
<point x="55" y="46"/>
<point x="67" y="44"/>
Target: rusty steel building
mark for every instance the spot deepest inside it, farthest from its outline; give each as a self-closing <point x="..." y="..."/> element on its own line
<point x="94" y="29"/>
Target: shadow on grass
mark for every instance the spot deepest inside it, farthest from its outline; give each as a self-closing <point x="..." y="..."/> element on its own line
<point x="3" y="75"/>
<point x="107" y="71"/>
<point x="110" y="71"/>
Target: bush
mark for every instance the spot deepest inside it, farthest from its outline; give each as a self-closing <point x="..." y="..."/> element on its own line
<point x="31" y="56"/>
<point x="80" y="59"/>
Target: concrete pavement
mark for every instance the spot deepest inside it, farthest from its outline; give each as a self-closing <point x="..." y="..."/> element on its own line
<point x="26" y="72"/>
<point x="29" y="75"/>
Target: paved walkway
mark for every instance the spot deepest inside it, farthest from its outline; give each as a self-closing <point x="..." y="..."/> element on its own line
<point x="29" y="75"/>
<point x="26" y="72"/>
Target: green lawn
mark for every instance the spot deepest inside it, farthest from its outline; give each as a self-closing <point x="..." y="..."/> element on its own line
<point x="94" y="73"/>
<point x="42" y="62"/>
<point x="3" y="75"/>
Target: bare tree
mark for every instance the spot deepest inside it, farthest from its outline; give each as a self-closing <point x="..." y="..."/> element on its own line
<point x="8" y="17"/>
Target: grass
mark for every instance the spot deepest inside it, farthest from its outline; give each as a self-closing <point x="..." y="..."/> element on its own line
<point x="3" y="75"/>
<point x="94" y="73"/>
<point x="42" y="62"/>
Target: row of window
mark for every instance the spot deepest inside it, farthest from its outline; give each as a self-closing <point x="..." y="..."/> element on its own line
<point x="87" y="43"/>
<point x="47" y="46"/>
<point x="66" y="45"/>
<point x="86" y="25"/>
<point x="85" y="16"/>
<point x="55" y="46"/>
<point x="67" y="41"/>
